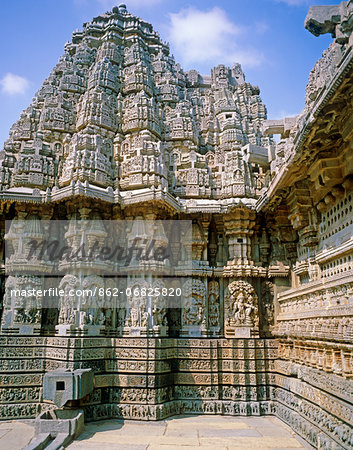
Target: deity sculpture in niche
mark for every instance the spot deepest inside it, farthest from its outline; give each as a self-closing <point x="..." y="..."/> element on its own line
<point x="81" y="314"/>
<point x="67" y="306"/>
<point x="213" y="308"/>
<point x="92" y="304"/>
<point x="241" y="310"/>
<point x="137" y="319"/>
<point x="159" y="310"/>
<point x="267" y="306"/>
<point x="22" y="312"/>
<point x="193" y="315"/>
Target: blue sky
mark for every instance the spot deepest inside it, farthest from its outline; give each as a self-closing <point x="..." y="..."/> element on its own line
<point x="266" y="36"/>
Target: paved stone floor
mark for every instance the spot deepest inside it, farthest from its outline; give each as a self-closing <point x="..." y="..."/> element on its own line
<point x="15" y="435"/>
<point x="182" y="432"/>
<point x="190" y="432"/>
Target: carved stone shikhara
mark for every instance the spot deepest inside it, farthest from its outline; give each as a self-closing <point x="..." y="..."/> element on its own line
<point x="118" y="131"/>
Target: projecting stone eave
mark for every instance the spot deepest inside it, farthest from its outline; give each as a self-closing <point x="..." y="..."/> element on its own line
<point x="311" y="122"/>
<point x="126" y="198"/>
<point x="332" y="90"/>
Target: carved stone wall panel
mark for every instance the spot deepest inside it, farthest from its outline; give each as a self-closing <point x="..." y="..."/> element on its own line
<point x="335" y="429"/>
<point x="20" y="395"/>
<point x="199" y="371"/>
<point x="20" y="411"/>
<point x="326" y="401"/>
<point x="119" y="130"/>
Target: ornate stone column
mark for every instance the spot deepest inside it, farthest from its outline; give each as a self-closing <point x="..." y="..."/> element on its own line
<point x="24" y="286"/>
<point x="240" y="300"/>
<point x="83" y="292"/>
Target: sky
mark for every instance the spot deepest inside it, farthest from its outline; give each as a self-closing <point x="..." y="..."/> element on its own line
<point x="266" y="36"/>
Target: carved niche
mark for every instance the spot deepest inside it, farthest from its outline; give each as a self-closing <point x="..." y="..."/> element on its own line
<point x="193" y="313"/>
<point x="241" y="310"/>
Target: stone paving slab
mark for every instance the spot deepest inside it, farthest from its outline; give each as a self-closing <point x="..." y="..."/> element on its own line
<point x="229" y="433"/>
<point x="144" y="430"/>
<point x="191" y="432"/>
<point x="225" y="425"/>
<point x="184" y="447"/>
<point x="3" y="432"/>
<point x="274" y="432"/>
<point x="93" y="445"/>
<point x="252" y="442"/>
<point x="186" y="433"/>
<point x="15" y="435"/>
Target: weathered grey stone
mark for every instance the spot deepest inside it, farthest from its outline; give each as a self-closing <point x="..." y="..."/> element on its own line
<point x="265" y="323"/>
<point x="60" y="421"/>
<point x="323" y="19"/>
<point x="56" y="429"/>
<point x="61" y="386"/>
<point x="336" y="20"/>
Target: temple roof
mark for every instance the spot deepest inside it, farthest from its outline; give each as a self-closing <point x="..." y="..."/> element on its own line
<point x="118" y="112"/>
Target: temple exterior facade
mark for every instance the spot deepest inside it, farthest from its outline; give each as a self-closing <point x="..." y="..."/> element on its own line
<point x="119" y="133"/>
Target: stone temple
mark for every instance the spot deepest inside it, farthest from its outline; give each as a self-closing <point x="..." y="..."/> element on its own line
<point x="119" y="132"/>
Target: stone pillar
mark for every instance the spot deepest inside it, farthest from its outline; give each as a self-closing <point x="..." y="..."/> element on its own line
<point x="82" y="303"/>
<point x="24" y="284"/>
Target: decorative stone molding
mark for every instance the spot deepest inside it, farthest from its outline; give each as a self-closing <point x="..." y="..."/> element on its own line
<point x="118" y="131"/>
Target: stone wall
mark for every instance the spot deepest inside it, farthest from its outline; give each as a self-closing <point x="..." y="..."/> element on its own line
<point x="143" y="378"/>
<point x="119" y="131"/>
<point x="311" y="177"/>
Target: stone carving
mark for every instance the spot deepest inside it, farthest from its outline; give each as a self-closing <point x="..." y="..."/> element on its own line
<point x="66" y="314"/>
<point x="136" y="97"/>
<point x="119" y="131"/>
<point x="336" y="20"/>
<point x="193" y="312"/>
<point x="20" y="310"/>
<point x="159" y="310"/>
<point x="138" y="317"/>
<point x="93" y="306"/>
<point x="322" y="73"/>
<point x="213" y="305"/>
<point x="241" y="310"/>
<point x="267" y="306"/>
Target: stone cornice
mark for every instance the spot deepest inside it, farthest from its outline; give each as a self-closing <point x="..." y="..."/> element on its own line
<point x="316" y="286"/>
<point x="125" y="198"/>
<point x="292" y="169"/>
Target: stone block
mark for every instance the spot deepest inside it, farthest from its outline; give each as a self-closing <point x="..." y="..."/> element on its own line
<point x="323" y="19"/>
<point x="255" y="154"/>
<point x="61" y="386"/>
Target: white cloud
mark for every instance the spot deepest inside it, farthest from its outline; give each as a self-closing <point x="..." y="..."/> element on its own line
<point x="209" y="37"/>
<point x="13" y="84"/>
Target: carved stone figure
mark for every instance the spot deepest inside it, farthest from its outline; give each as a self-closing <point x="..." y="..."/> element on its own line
<point x="241" y="308"/>
<point x="194" y="303"/>
<point x="248" y="307"/>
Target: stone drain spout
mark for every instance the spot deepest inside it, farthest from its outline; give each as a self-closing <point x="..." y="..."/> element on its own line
<point x="57" y="428"/>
